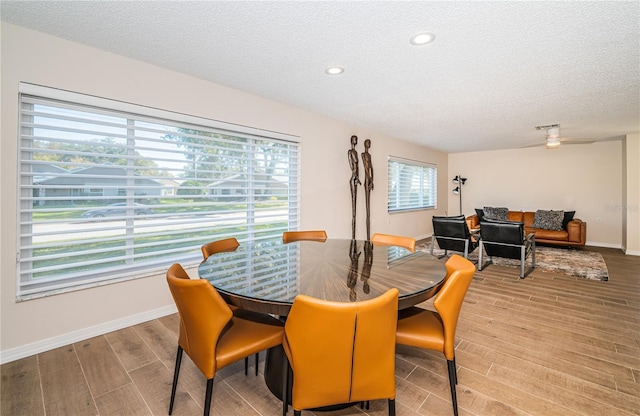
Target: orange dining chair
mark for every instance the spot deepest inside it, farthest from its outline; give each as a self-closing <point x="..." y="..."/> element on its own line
<point x="394" y="240"/>
<point x="219" y="246"/>
<point x="436" y="330"/>
<point x="314" y="235"/>
<point x="210" y="333"/>
<point x="340" y="352"/>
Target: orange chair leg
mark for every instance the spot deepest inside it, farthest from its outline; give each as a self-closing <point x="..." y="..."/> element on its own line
<point x="455" y="369"/>
<point x="452" y="384"/>
<point x="392" y="407"/>
<point x="207" y="397"/>
<point x="246" y="364"/>
<point x="257" y="359"/>
<point x="176" y="372"/>
<point x="285" y="385"/>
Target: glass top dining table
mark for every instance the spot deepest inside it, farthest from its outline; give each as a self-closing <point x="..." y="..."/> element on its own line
<point x="266" y="276"/>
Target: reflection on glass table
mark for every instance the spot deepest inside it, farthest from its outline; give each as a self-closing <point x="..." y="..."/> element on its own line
<point x="266" y="276"/>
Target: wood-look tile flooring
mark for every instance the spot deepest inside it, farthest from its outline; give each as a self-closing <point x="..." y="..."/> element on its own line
<point x="546" y="345"/>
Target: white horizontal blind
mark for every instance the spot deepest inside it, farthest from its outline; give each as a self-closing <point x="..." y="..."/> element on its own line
<point x="412" y="185"/>
<point x="107" y="194"/>
<point x="265" y="270"/>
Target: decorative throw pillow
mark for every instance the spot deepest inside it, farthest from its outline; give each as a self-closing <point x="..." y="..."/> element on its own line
<point x="548" y="220"/>
<point x="568" y="216"/>
<point x="493" y="213"/>
<point x="480" y="214"/>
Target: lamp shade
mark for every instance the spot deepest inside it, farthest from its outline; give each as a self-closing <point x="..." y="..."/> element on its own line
<point x="459" y="179"/>
<point x="456" y="190"/>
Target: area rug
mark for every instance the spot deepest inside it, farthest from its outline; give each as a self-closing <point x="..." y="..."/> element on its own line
<point x="571" y="262"/>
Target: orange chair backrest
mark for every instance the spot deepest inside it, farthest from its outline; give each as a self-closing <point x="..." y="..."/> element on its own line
<point x="375" y="347"/>
<point x="341" y="352"/>
<point x="311" y="235"/>
<point x="448" y="301"/>
<point x="228" y="244"/>
<point x="394" y="240"/>
<point x="451" y="265"/>
<point x="203" y="316"/>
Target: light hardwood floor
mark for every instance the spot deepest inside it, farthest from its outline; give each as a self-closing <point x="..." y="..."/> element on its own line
<point x="545" y="345"/>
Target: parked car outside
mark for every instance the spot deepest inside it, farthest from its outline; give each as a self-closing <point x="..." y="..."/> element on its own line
<point x="116" y="210"/>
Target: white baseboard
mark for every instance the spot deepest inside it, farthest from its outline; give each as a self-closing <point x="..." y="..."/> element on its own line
<point x="424" y="236"/>
<point x="605" y="245"/>
<point x="48" y="344"/>
<point x="631" y="252"/>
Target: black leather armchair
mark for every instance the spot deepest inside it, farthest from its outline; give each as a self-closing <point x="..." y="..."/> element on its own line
<point x="452" y="233"/>
<point x="507" y="239"/>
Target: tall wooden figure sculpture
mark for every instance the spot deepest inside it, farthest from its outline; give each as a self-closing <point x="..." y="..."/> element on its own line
<point x="368" y="183"/>
<point x="354" y="182"/>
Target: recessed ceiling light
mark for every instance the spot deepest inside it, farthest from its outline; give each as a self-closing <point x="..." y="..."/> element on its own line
<point x="334" y="70"/>
<point x="422" y="38"/>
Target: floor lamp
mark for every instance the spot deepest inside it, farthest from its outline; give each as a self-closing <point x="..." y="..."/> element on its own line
<point x="459" y="180"/>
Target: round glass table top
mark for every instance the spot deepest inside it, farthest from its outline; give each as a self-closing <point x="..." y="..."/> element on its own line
<point x="267" y="276"/>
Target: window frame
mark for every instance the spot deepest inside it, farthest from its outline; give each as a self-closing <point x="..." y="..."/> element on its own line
<point x="427" y="185"/>
<point x="248" y="140"/>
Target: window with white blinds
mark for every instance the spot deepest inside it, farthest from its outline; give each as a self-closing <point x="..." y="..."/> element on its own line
<point x="412" y="185"/>
<point x="111" y="191"/>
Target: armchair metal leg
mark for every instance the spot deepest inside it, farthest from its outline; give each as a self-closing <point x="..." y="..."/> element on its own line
<point x="523" y="259"/>
<point x="433" y="243"/>
<point x="480" y="252"/>
<point x="533" y="252"/>
<point x="466" y="252"/>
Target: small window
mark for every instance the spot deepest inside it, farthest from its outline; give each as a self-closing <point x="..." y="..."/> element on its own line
<point x="412" y="185"/>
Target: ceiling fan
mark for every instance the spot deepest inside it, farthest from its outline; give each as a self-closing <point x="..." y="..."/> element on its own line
<point x="553" y="138"/>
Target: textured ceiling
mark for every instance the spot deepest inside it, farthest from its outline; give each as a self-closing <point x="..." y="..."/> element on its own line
<point x="494" y="72"/>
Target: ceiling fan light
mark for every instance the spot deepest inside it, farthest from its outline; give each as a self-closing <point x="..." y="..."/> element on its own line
<point x="553" y="133"/>
<point x="553" y="143"/>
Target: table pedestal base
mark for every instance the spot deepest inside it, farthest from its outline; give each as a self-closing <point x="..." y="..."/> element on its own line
<point x="273" y="371"/>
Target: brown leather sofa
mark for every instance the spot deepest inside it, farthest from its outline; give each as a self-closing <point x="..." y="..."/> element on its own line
<point x="575" y="233"/>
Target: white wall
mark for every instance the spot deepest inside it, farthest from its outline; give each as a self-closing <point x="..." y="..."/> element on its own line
<point x="586" y="178"/>
<point x="631" y="198"/>
<point x="31" y="326"/>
